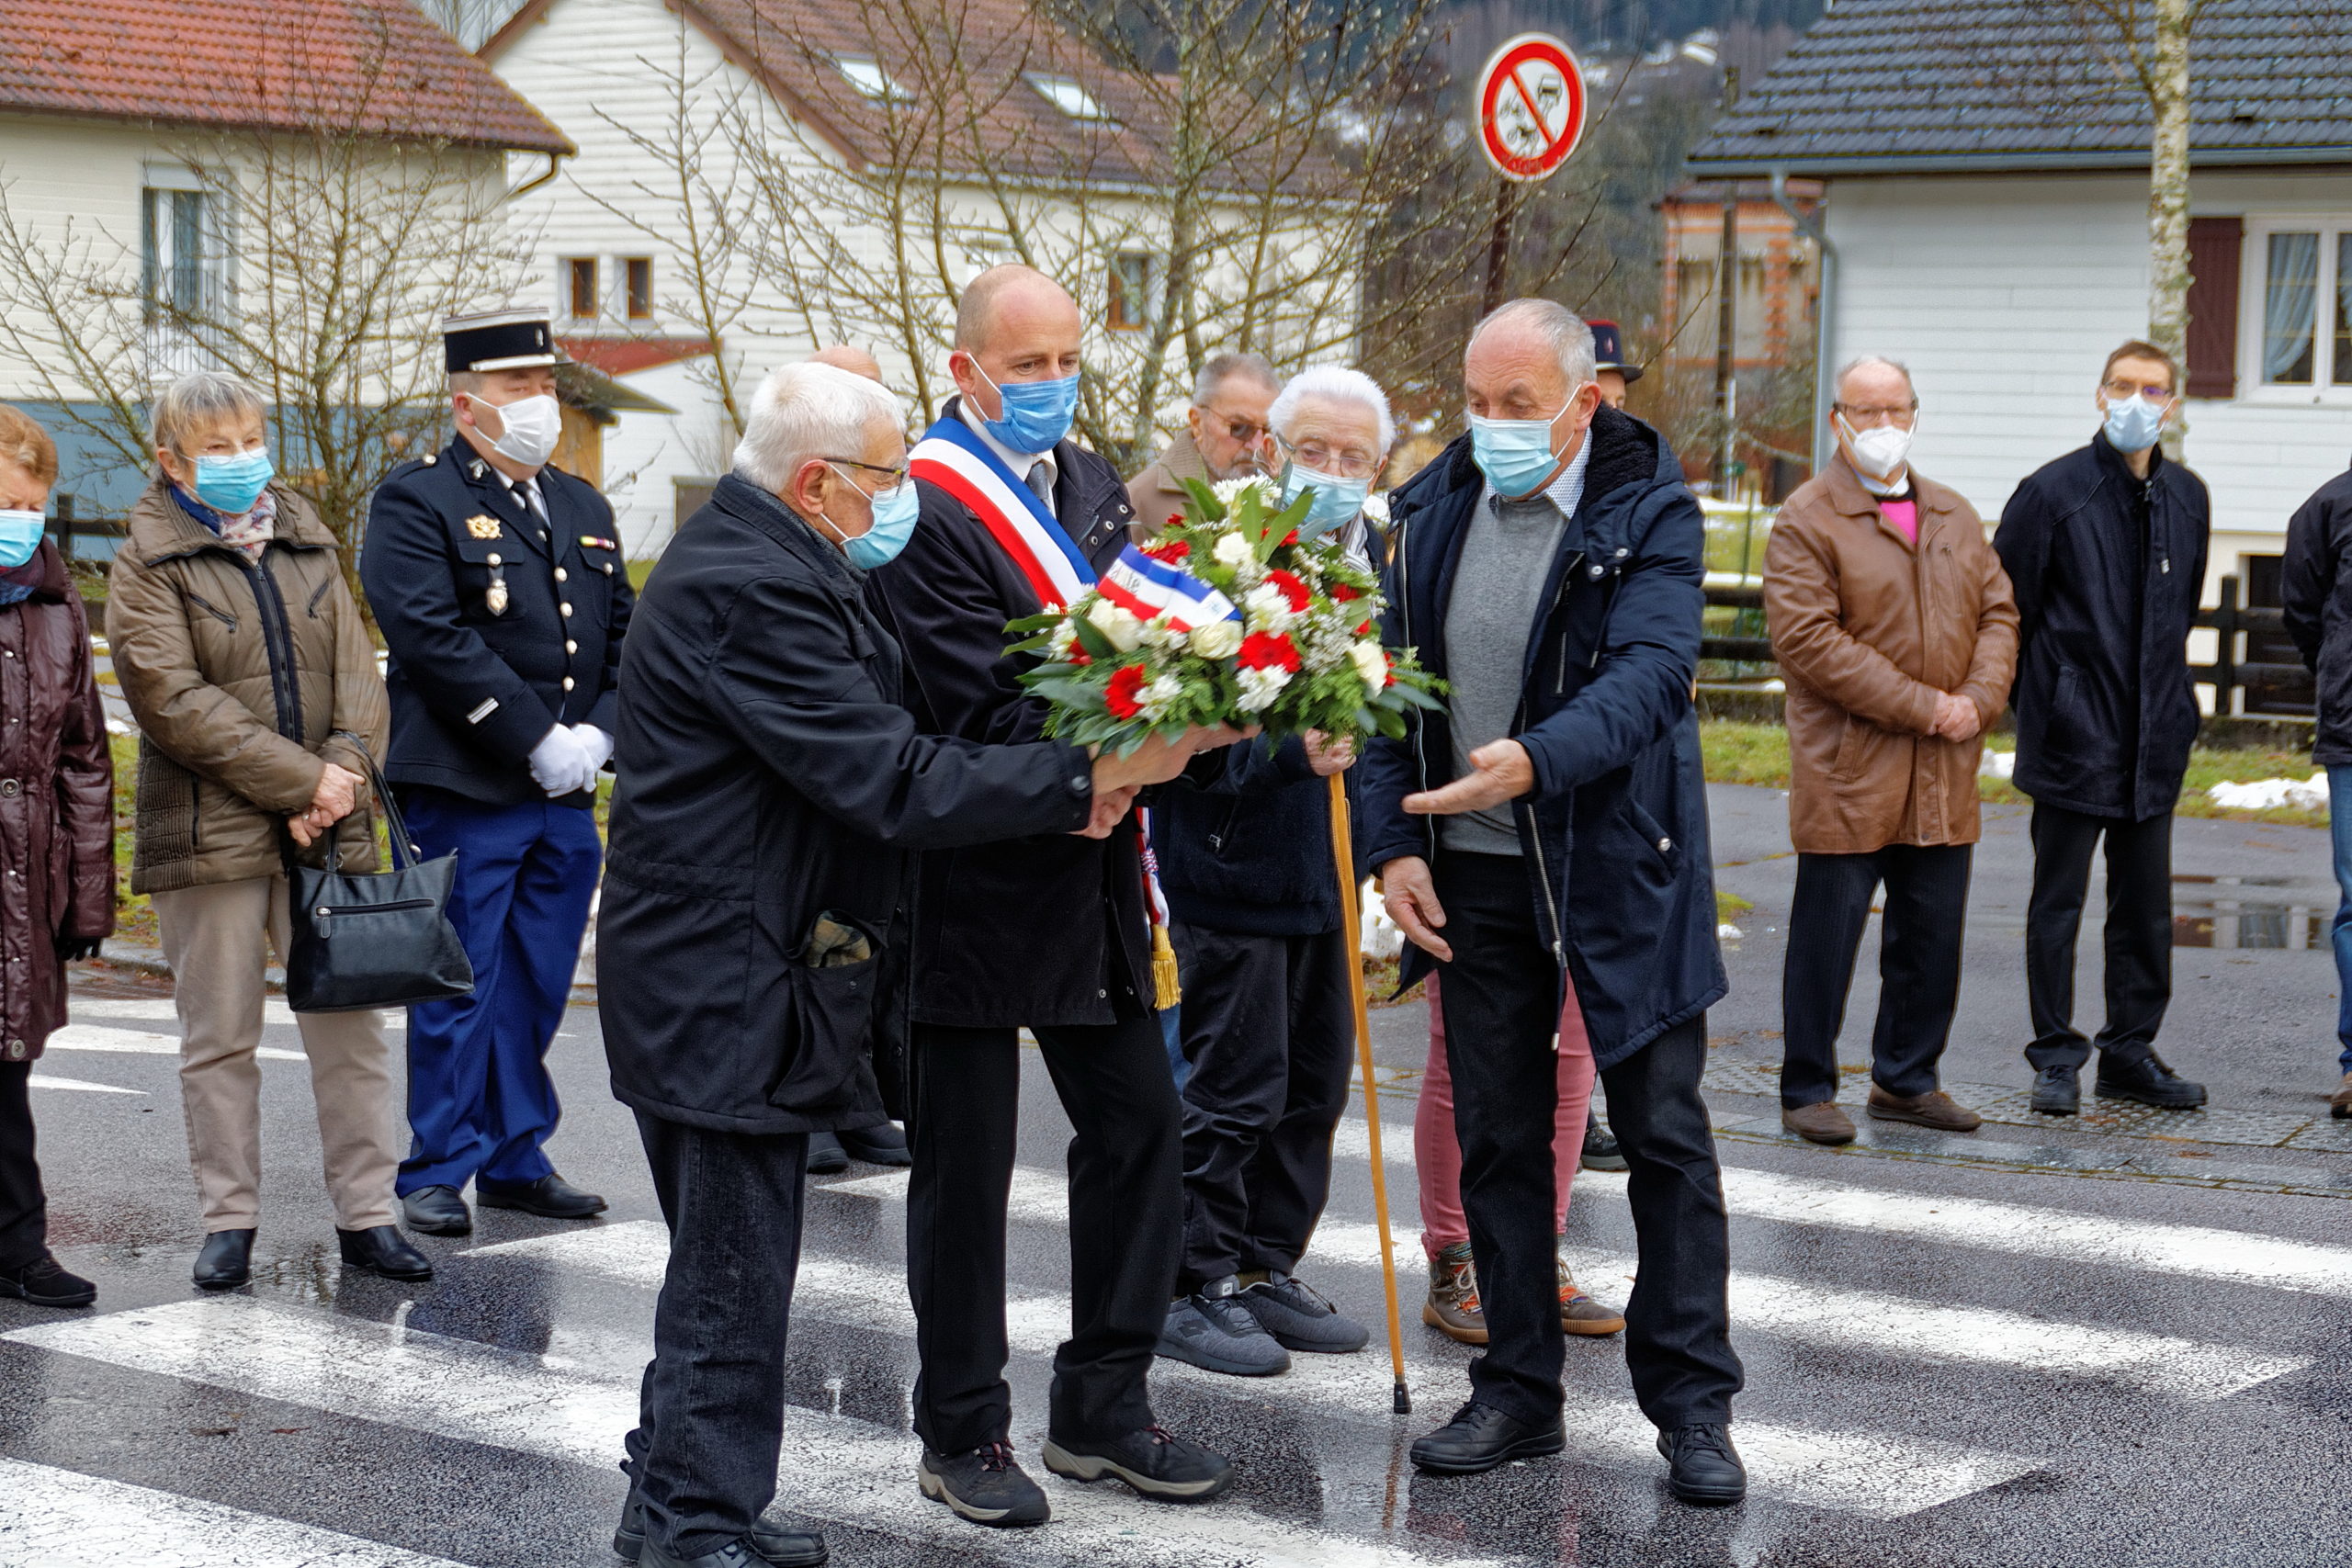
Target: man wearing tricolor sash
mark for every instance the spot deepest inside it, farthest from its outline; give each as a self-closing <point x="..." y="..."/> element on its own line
<point x="1053" y="934"/>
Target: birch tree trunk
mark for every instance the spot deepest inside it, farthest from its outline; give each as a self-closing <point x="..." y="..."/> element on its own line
<point x="2167" y="82"/>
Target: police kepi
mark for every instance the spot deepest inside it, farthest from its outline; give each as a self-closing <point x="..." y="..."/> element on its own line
<point x="500" y="588"/>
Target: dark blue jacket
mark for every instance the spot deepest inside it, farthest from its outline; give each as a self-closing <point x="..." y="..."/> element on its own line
<point x="1248" y="847"/>
<point x="2315" y="591"/>
<point x="473" y="692"/>
<point x="2108" y="570"/>
<point x="1620" y="881"/>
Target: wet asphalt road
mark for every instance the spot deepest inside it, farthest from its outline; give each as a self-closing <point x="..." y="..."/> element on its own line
<point x="1958" y="1361"/>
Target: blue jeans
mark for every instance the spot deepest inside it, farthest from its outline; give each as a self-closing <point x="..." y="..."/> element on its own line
<point x="1173" y="1036"/>
<point x="2339" y="826"/>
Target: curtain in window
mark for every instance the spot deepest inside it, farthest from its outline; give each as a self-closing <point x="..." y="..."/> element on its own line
<point x="2341" y="373"/>
<point x="2290" y="303"/>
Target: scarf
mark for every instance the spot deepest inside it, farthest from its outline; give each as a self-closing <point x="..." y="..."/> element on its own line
<point x="17" y="582"/>
<point x="249" y="535"/>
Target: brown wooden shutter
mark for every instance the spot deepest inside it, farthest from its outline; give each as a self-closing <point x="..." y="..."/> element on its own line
<point x="2214" y="247"/>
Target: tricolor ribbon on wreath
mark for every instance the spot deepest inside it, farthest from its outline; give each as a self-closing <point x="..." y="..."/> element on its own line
<point x="952" y="455"/>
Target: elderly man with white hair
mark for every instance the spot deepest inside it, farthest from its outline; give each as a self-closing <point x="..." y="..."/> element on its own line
<point x="1266" y="1019"/>
<point x="771" y="788"/>
<point x="1549" y="829"/>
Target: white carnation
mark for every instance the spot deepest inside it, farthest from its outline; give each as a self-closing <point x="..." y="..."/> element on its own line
<point x="1230" y="492"/>
<point x="1261" y="687"/>
<point x="1159" y="633"/>
<point x="1123" y="628"/>
<point x="1267" y="608"/>
<point x="1155" y="695"/>
<point x="1065" y="641"/>
<point x="1218" y="640"/>
<point x="1371" y="664"/>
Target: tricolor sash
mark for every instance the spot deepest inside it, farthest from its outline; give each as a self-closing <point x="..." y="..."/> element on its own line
<point x="952" y="455"/>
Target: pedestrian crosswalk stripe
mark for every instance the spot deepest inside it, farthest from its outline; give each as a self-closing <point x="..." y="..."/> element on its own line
<point x="848" y="1471"/>
<point x="140" y="1042"/>
<point x="1864" y="1472"/>
<point x="62" y="1519"/>
<point x="1807" y="1310"/>
<point x="43" y="1081"/>
<point x="160" y="1010"/>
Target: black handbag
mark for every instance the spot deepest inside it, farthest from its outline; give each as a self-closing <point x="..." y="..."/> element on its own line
<point x="375" y="939"/>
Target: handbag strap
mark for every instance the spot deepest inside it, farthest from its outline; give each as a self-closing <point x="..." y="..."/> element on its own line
<point x="405" y="855"/>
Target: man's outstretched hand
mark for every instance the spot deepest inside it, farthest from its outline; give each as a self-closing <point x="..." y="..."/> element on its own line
<point x="1501" y="772"/>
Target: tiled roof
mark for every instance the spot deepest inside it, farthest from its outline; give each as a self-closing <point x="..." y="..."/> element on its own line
<point x="628" y="355"/>
<point x="377" y="67"/>
<point x="1932" y="85"/>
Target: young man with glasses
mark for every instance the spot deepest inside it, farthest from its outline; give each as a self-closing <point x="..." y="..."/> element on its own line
<point x="1226" y="436"/>
<point x="2107" y="549"/>
<point x="1897" y="632"/>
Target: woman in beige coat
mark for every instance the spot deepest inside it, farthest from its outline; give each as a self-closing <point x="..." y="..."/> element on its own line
<point x="254" y="681"/>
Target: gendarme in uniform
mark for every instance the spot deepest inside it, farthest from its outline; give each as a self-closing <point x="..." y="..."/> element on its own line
<point x="499" y="585"/>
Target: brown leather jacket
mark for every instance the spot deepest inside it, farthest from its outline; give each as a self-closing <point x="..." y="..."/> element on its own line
<point x="56" y="804"/>
<point x="240" y="678"/>
<point x="1158" y="492"/>
<point x="1869" y="629"/>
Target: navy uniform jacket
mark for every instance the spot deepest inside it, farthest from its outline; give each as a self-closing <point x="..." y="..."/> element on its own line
<point x="473" y="692"/>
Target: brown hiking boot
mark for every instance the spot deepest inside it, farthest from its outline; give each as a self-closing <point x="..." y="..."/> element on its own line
<point x="1579" y="1314"/>
<point x="1934" y="1108"/>
<point x="1452" y="1305"/>
<point x="1822" y="1124"/>
<point x="2339" y="1105"/>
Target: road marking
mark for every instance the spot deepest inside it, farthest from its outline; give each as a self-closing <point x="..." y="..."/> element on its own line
<point x="62" y="1519"/>
<point x="848" y="1471"/>
<point x="43" y="1080"/>
<point x="160" y="1010"/>
<point x="140" y="1042"/>
<point x="1863" y="1472"/>
<point x="1808" y="1310"/>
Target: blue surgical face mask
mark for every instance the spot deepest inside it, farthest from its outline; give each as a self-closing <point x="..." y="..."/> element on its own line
<point x="1335" y="499"/>
<point x="231" y="484"/>
<point x="1516" y="455"/>
<point x="895" y="513"/>
<point x="2133" y="423"/>
<point x="20" y="536"/>
<point x="1036" y="414"/>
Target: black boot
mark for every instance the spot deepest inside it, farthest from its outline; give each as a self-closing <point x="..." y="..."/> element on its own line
<point x="2057" y="1091"/>
<point x="226" y="1261"/>
<point x="826" y="1154"/>
<point x="2147" y="1081"/>
<point x="381" y="1249"/>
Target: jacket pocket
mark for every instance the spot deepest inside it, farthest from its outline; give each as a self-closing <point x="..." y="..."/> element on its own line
<point x="1848" y="761"/>
<point x="1659" y="851"/>
<point x="832" y="1029"/>
<point x="210" y="608"/>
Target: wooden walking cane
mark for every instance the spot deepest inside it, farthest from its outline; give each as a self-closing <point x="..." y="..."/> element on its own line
<point x="1344" y="857"/>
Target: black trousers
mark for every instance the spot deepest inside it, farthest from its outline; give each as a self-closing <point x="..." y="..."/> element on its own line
<point x="24" y="1210"/>
<point x="1126" y="1224"/>
<point x="2139" y="934"/>
<point x="710" y="1419"/>
<point x="1918" y="965"/>
<point x="1501" y="998"/>
<point x="1269" y="1035"/>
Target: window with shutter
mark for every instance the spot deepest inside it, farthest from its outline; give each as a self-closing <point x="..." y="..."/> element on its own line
<point x="2215" y="245"/>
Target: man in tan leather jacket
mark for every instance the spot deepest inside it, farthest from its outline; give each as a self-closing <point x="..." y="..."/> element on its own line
<point x="1897" y="634"/>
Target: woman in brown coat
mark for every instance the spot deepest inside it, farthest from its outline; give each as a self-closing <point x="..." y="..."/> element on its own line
<point x="56" y="837"/>
<point x="254" y="681"/>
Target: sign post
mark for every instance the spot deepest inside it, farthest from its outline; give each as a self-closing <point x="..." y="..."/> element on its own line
<point x="1531" y="117"/>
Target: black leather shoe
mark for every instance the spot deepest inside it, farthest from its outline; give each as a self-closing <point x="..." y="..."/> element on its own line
<point x="736" y="1553"/>
<point x="1702" y="1467"/>
<point x="381" y="1249"/>
<point x="226" y="1262"/>
<point x="551" y="1198"/>
<point x="46" y="1282"/>
<point x="438" y="1210"/>
<point x="2148" y="1081"/>
<point x="770" y="1543"/>
<point x="1480" y="1436"/>
<point x="826" y="1155"/>
<point x="884" y="1144"/>
<point x="2057" y="1091"/>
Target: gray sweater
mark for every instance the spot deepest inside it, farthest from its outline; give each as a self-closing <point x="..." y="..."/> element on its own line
<point x="1497" y="590"/>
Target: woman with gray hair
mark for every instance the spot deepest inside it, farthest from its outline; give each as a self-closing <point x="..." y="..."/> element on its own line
<point x="253" y="683"/>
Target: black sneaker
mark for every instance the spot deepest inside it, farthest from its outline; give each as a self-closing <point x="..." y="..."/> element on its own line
<point x="1155" y="1462"/>
<point x="1600" y="1150"/>
<point x="2148" y="1081"/>
<point x="46" y="1282"/>
<point x="1702" y="1467"/>
<point x="1214" y="1331"/>
<point x="2057" y="1091"/>
<point x="1298" y="1317"/>
<point x="985" y="1485"/>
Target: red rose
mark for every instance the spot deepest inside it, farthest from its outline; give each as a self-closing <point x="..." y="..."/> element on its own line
<point x="1342" y="592"/>
<point x="1168" y="549"/>
<point x="1296" y="592"/>
<point x="1120" y="698"/>
<point x="1267" y="651"/>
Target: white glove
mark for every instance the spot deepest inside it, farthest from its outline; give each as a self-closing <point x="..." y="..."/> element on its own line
<point x="596" y="745"/>
<point x="560" y="763"/>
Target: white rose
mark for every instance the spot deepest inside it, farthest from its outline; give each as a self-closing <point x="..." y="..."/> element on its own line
<point x="1371" y="664"/>
<point x="1232" y="550"/>
<point x="1218" y="640"/>
<point x="1124" y="629"/>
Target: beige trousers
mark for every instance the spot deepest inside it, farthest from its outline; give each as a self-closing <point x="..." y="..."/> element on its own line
<point x="217" y="940"/>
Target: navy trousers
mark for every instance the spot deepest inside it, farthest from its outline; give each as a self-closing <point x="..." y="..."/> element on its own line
<point x="480" y="1101"/>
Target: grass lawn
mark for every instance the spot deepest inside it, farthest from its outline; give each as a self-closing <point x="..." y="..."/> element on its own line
<point x="1759" y="754"/>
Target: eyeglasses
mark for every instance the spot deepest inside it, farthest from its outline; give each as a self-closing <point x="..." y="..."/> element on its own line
<point x="1863" y="418"/>
<point x="2156" y="391"/>
<point x="1244" y="433"/>
<point x="897" y="475"/>
<point x="1324" y="460"/>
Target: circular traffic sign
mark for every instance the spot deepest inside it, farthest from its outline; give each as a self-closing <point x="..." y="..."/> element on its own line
<point x="1531" y="107"/>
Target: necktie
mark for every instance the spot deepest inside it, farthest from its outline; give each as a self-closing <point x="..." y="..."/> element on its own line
<point x="1041" y="481"/>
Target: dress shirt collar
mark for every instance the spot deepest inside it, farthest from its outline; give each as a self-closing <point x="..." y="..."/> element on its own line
<point x="1567" y="493"/>
<point x="1018" y="463"/>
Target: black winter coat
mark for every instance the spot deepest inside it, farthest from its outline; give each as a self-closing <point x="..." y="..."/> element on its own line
<point x="1046" y="930"/>
<point x="2108" y="570"/>
<point x="1247" y="848"/>
<point x="1620" y="883"/>
<point x="769" y="775"/>
<point x="2316" y="590"/>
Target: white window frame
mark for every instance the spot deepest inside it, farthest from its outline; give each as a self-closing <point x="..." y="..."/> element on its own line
<point x="2332" y="227"/>
<point x="216" y="263"/>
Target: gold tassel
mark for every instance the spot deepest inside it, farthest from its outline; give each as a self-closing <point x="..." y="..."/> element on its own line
<point x="1165" y="991"/>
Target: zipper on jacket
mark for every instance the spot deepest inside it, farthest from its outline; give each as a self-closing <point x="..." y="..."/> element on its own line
<point x="277" y="636"/>
<point x="312" y="609"/>
<point x="1560" y="682"/>
<point x="213" y="610"/>
<point x="1419" y="720"/>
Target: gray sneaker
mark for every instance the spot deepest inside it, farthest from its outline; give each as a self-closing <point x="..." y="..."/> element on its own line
<point x="1299" y="1318"/>
<point x="1213" y="1330"/>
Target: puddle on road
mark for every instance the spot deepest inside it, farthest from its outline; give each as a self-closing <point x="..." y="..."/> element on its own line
<point x="2278" y="913"/>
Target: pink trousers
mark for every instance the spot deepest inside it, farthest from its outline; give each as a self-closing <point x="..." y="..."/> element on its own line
<point x="1437" y="1149"/>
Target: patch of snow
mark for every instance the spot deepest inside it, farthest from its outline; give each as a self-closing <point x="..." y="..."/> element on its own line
<point x="2271" y="795"/>
<point x="1727" y="932"/>
<point x="1996" y="765"/>
<point x="1377" y="934"/>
